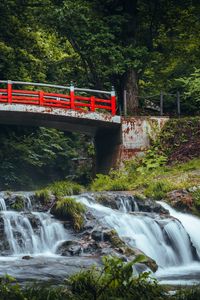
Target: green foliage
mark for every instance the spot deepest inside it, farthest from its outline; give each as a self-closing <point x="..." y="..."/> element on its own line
<point x="43" y="195"/>
<point x="192" y="293"/>
<point x="115" y="281"/>
<point x="158" y="189"/>
<point x="32" y="157"/>
<point x="58" y="189"/>
<point x="115" y="181"/>
<point x="65" y="188"/>
<point x="180" y="136"/>
<point x="152" y="160"/>
<point x="10" y="289"/>
<point x="18" y="204"/>
<point x="191" y="88"/>
<point x="47" y="292"/>
<point x="196" y="199"/>
<point x="153" y="183"/>
<point x="70" y="209"/>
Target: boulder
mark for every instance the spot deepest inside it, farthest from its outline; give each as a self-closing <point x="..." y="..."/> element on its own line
<point x="70" y="248"/>
<point x="181" y="200"/>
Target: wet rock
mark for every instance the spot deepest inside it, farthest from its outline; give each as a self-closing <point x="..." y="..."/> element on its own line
<point x="97" y="235"/>
<point x="27" y="257"/>
<point x="148" y="205"/>
<point x="181" y="200"/>
<point x="35" y="222"/>
<point x="125" y="202"/>
<point x="69" y="248"/>
<point x="115" y="200"/>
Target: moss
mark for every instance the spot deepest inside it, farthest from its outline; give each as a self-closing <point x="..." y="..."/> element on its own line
<point x="69" y="209"/>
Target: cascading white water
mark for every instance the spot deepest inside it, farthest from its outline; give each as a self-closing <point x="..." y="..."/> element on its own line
<point x="2" y="204"/>
<point x="190" y="223"/>
<point x="25" y="238"/>
<point x="164" y="240"/>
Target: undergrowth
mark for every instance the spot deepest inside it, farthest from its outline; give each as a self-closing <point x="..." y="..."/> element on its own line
<point x="155" y="181"/>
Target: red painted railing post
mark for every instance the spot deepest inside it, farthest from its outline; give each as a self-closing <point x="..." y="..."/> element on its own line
<point x="113" y="102"/>
<point x="9" y="91"/>
<point x="72" y="105"/>
<point x="92" y="103"/>
<point x="41" y="98"/>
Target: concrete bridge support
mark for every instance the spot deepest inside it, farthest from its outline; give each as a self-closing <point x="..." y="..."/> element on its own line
<point x="131" y="139"/>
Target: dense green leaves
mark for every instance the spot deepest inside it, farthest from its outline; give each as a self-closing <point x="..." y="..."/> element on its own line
<point x="35" y="156"/>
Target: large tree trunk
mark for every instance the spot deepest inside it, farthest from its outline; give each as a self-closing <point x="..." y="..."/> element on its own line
<point x="131" y="87"/>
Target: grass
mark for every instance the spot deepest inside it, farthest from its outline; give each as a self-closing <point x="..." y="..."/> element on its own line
<point x="154" y="183"/>
<point x="69" y="209"/>
<point x="59" y="189"/>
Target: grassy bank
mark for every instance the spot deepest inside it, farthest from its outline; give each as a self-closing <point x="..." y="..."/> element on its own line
<point x="171" y="164"/>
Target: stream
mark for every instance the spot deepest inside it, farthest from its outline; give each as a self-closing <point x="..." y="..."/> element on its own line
<point x="30" y="239"/>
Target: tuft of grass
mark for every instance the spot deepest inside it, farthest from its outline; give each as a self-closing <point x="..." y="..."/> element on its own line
<point x="191" y="293"/>
<point x="65" y="188"/>
<point x="69" y="209"/>
<point x="43" y="195"/>
<point x="157" y="189"/>
<point x="59" y="189"/>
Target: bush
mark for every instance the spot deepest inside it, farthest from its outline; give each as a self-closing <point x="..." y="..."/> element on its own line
<point x="10" y="289"/>
<point x="115" y="281"/>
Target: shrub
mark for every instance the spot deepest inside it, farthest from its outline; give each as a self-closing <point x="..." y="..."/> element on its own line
<point x="69" y="209"/>
<point x="10" y="289"/>
<point x="115" y="281"/>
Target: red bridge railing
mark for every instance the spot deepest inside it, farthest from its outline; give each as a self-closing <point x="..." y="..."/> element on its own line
<point x="11" y="95"/>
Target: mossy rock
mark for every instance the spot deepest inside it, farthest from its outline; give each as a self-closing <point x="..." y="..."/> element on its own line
<point x="68" y="209"/>
<point x="18" y="203"/>
<point x="121" y="246"/>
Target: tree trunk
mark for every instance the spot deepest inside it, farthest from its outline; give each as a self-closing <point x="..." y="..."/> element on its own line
<point x="131" y="87"/>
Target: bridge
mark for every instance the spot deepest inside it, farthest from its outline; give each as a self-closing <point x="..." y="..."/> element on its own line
<point x="68" y="108"/>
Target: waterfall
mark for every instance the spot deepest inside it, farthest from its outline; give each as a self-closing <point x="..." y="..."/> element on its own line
<point x="31" y="233"/>
<point x="163" y="239"/>
<point x="2" y="204"/>
<point x="190" y="223"/>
